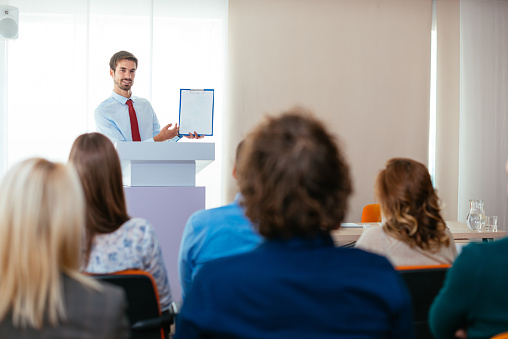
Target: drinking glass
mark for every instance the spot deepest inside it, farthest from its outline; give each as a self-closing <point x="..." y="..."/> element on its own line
<point x="491" y="224"/>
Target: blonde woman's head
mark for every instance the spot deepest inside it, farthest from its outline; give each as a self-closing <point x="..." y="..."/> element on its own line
<point x="42" y="213"/>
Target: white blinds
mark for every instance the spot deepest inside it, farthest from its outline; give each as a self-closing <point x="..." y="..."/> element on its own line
<point x="483" y="106"/>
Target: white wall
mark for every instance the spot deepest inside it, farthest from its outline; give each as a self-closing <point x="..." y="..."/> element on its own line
<point x="362" y="66"/>
<point x="3" y="107"/>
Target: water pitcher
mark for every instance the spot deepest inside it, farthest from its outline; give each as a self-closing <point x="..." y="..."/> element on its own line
<point x="476" y="216"/>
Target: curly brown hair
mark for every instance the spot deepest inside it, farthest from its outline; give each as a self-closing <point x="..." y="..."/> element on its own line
<point x="293" y="177"/>
<point x="410" y="205"/>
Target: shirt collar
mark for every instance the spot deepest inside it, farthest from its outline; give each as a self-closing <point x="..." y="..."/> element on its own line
<point x="238" y="198"/>
<point x="121" y="99"/>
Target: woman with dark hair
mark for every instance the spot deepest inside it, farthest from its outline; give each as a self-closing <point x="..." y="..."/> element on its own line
<point x="413" y="231"/>
<point x="114" y="241"/>
<point x="295" y="186"/>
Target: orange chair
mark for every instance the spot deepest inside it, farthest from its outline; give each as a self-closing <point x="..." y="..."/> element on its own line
<point x="421" y="267"/>
<point x="371" y="213"/>
<point x="423" y="284"/>
<point x="503" y="335"/>
<point x="143" y="310"/>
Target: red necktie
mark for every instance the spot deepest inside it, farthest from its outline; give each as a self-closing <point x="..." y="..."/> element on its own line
<point x="134" y="122"/>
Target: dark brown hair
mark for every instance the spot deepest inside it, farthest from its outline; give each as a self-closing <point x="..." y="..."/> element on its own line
<point x="98" y="166"/>
<point x="122" y="55"/>
<point x="410" y="205"/>
<point x="293" y="177"/>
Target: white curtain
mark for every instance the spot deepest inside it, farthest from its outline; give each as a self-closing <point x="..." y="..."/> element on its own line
<point x="484" y="106"/>
<point x="59" y="68"/>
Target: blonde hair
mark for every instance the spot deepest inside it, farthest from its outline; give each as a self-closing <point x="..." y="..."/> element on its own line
<point x="42" y="214"/>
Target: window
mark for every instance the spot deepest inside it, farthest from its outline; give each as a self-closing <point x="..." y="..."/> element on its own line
<point x="58" y="69"/>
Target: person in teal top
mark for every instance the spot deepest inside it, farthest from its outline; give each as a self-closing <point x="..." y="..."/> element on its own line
<point x="473" y="302"/>
<point x="473" y="298"/>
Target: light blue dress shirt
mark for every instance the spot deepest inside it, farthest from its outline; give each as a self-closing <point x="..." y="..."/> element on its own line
<point x="212" y="234"/>
<point x="112" y="119"/>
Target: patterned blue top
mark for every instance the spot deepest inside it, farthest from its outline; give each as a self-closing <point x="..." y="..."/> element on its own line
<point x="112" y="119"/>
<point x="133" y="246"/>
<point x="212" y="234"/>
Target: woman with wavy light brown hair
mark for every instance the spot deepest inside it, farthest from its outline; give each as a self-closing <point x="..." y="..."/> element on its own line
<point x="42" y="292"/>
<point x="413" y="231"/>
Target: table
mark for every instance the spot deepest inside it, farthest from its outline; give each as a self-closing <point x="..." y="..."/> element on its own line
<point x="459" y="230"/>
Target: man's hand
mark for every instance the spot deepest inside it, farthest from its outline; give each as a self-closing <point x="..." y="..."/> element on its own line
<point x="166" y="133"/>
<point x="194" y="136"/>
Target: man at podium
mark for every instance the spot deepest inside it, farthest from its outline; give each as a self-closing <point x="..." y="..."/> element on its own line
<point x="124" y="117"/>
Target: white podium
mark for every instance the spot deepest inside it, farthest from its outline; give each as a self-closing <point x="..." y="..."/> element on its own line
<point x="163" y="163"/>
<point x="159" y="185"/>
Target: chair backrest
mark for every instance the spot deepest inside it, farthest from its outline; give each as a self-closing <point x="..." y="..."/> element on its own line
<point x="371" y="213"/>
<point x="423" y="283"/>
<point x="503" y="335"/>
<point x="143" y="301"/>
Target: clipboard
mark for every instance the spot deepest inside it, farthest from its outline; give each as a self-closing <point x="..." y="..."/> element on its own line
<point x="196" y="111"/>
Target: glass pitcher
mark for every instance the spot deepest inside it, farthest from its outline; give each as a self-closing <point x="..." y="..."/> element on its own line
<point x="476" y="216"/>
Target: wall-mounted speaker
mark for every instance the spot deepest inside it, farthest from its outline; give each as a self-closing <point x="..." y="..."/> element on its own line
<point x="9" y="18"/>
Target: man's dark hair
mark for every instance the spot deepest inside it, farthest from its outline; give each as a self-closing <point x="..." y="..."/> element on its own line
<point x="293" y="177"/>
<point x="122" y="55"/>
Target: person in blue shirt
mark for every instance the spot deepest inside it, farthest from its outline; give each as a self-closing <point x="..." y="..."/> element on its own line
<point x="112" y="115"/>
<point x="295" y="186"/>
<point x="214" y="233"/>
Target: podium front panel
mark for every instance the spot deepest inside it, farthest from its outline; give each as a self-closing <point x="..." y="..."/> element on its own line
<point x="167" y="209"/>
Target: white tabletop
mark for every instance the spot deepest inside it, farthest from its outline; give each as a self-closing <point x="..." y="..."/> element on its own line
<point x="459" y="230"/>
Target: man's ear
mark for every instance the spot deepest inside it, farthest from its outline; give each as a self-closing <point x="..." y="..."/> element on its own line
<point x="112" y="73"/>
<point x="234" y="172"/>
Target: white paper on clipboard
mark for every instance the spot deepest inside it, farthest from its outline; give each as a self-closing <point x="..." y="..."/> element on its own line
<point x="196" y="111"/>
